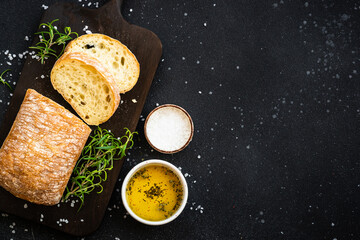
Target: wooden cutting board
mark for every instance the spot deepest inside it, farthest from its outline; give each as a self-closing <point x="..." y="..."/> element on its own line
<point x="147" y="48"/>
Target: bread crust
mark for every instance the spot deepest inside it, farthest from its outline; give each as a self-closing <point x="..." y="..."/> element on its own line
<point x="70" y="46"/>
<point x="87" y="60"/>
<point x="41" y="149"/>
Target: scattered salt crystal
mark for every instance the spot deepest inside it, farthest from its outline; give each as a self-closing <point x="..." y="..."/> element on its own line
<point x="25" y="205"/>
<point x="88" y="32"/>
<point x="134" y="100"/>
<point x="44" y="7"/>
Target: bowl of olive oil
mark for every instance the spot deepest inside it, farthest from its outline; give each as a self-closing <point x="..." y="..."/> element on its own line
<point x="154" y="192"/>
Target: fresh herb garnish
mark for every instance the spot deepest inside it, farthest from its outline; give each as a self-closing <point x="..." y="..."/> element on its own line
<point x="2" y="80"/>
<point x="96" y="159"/>
<point x="50" y="37"/>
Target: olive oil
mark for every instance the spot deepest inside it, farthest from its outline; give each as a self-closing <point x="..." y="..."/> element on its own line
<point x="154" y="193"/>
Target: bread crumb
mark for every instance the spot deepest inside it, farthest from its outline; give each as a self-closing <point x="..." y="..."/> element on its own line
<point x="134" y="100"/>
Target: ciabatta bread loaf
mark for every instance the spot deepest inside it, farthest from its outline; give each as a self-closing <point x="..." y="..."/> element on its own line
<point x="41" y="149"/>
<point x="87" y="86"/>
<point x="112" y="54"/>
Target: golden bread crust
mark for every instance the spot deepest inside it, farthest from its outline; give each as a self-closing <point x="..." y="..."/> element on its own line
<point x="41" y="149"/>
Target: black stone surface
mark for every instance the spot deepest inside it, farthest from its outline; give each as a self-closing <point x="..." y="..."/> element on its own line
<point x="273" y="89"/>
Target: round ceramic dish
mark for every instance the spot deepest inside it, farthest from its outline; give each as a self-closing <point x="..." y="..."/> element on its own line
<point x="182" y="111"/>
<point x="145" y="164"/>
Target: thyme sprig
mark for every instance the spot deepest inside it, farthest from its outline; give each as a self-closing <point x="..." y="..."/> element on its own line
<point x="2" y="80"/>
<point x="50" y="37"/>
<point x="97" y="158"/>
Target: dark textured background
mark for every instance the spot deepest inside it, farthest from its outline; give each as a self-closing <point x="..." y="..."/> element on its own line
<point x="273" y="89"/>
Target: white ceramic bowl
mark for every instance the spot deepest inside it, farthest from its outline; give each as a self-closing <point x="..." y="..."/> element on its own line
<point x="161" y="163"/>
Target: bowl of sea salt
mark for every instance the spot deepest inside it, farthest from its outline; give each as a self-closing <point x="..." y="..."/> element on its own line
<point x="168" y="128"/>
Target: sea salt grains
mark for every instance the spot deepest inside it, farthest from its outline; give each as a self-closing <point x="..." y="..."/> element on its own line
<point x="168" y="128"/>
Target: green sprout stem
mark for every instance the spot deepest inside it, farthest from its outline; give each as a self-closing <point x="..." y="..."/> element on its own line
<point x="50" y="37"/>
<point x="2" y="80"/>
<point x="96" y="159"/>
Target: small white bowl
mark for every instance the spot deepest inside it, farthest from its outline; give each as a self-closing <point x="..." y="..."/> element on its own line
<point x="145" y="164"/>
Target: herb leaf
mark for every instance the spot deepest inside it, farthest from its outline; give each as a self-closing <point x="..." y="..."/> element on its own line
<point x="96" y="159"/>
<point x="2" y="80"/>
<point x="51" y="37"/>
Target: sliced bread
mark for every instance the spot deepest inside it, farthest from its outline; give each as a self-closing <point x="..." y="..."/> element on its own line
<point x="114" y="56"/>
<point x="87" y="86"/>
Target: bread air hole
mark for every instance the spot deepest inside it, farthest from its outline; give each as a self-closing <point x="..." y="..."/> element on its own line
<point x="106" y="88"/>
<point x="82" y="97"/>
<point x="122" y="61"/>
<point x="88" y="46"/>
<point x="106" y="107"/>
<point x="115" y="65"/>
<point x="83" y="103"/>
<point x="101" y="45"/>
<point x="86" y="117"/>
<point x="108" y="98"/>
<point x="94" y="51"/>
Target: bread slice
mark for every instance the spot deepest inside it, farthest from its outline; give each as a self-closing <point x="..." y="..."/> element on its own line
<point x="114" y="56"/>
<point x="87" y="86"/>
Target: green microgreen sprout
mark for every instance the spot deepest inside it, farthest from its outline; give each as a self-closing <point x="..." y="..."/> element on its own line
<point x="96" y="159"/>
<point x="2" y="80"/>
<point x="50" y="37"/>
